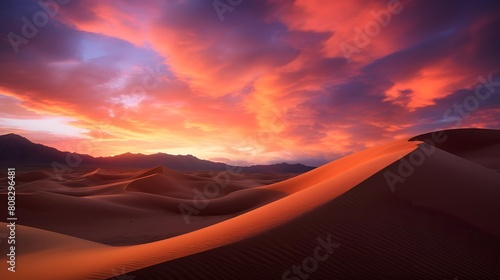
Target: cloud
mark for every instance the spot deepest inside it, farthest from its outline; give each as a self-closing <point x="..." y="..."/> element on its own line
<point x="269" y="83"/>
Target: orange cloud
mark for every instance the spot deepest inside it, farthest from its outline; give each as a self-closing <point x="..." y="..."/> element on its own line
<point x="430" y="83"/>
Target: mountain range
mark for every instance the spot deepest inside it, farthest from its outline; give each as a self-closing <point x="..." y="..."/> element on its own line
<point x="17" y="151"/>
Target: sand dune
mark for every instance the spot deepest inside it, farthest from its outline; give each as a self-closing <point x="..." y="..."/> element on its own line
<point x="33" y="176"/>
<point x="134" y="207"/>
<point x="440" y="222"/>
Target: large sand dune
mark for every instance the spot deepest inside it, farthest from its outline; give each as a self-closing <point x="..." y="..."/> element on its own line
<point x="440" y="222"/>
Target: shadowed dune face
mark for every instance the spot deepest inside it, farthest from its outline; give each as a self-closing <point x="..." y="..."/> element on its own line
<point x="449" y="184"/>
<point x="404" y="210"/>
<point x="481" y="146"/>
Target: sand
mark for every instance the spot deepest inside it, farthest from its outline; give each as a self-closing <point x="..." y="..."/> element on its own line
<point x="440" y="222"/>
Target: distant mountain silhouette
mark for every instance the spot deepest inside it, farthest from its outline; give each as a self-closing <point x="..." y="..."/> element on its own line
<point x="17" y="151"/>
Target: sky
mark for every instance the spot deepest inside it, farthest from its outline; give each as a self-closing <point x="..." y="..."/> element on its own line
<point x="245" y="81"/>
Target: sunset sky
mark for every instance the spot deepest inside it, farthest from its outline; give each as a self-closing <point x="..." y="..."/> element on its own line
<point x="245" y="81"/>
